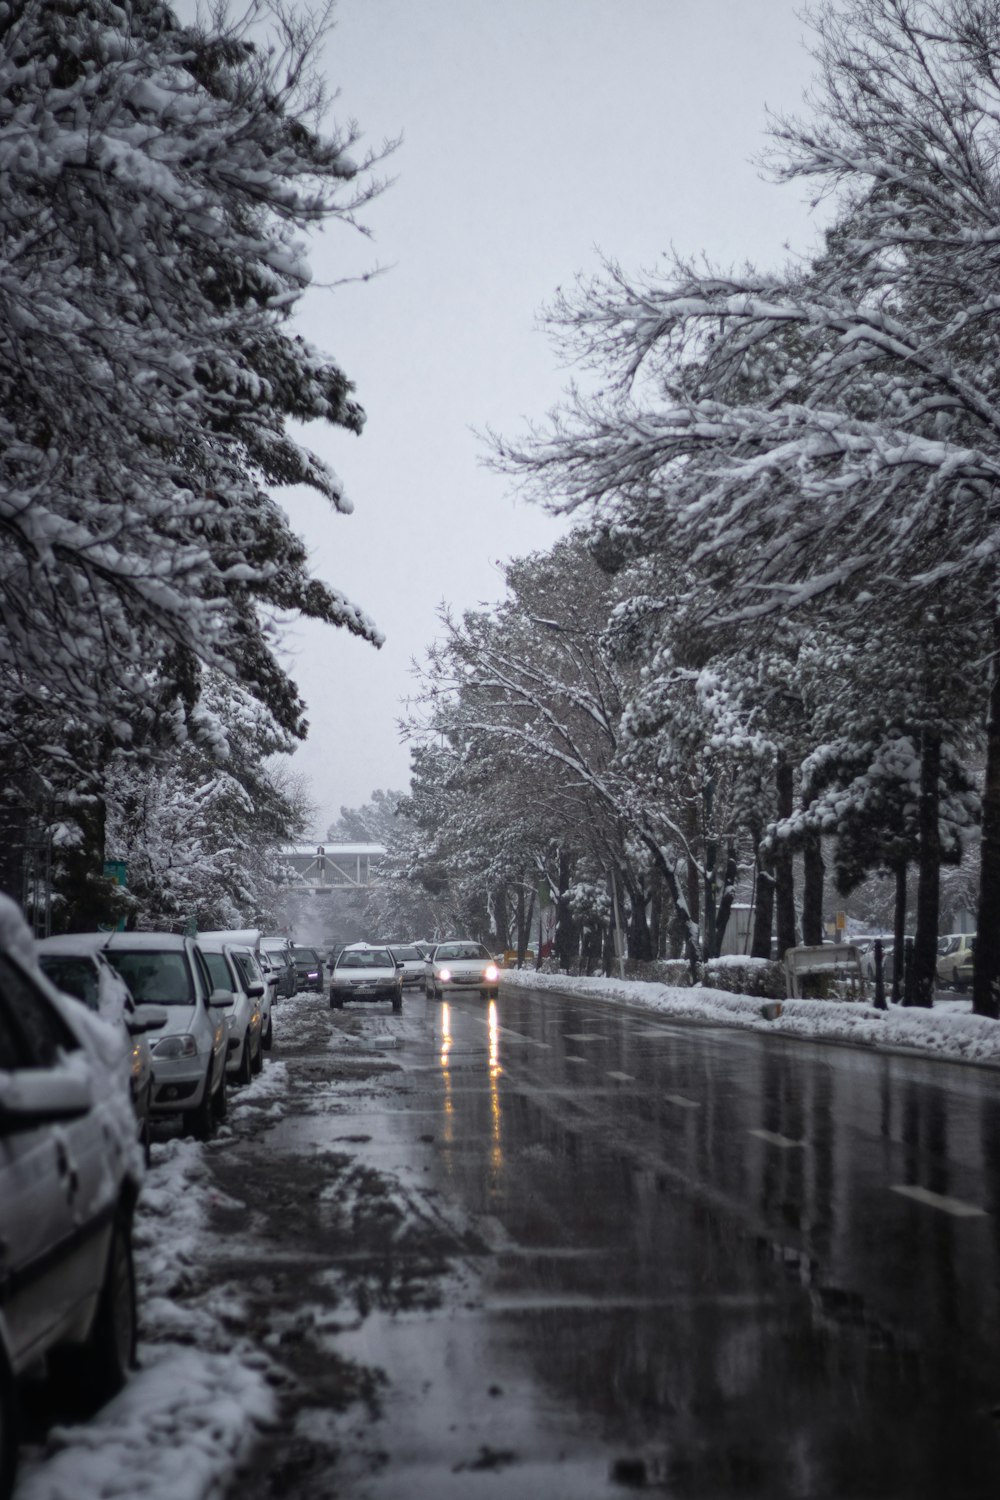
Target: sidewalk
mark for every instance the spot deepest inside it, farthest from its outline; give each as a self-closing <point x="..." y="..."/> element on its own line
<point x="947" y="1031"/>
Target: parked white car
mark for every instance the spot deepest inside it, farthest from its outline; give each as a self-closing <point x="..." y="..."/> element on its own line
<point x="244" y="1016"/>
<point x="78" y="968"/>
<point x="255" y="983"/>
<point x="189" y="1055"/>
<point x="70" y="1169"/>
<point x="259" y="970"/>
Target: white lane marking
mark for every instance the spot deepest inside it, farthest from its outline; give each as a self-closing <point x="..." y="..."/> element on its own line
<point x="953" y="1206"/>
<point x="576" y="1059"/>
<point x="623" y="1077"/>
<point x="682" y="1101"/>
<point x="773" y="1139"/>
<point x="583" y="1036"/>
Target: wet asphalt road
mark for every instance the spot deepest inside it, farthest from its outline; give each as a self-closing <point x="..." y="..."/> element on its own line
<point x="697" y="1261"/>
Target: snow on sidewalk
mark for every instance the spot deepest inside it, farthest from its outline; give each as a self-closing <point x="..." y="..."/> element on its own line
<point x="947" y="1031"/>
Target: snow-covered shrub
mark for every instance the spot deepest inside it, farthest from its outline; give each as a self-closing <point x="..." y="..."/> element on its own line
<point x="675" y="971"/>
<point x="741" y="975"/>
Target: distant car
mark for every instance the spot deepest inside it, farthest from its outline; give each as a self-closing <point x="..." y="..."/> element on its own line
<point x="955" y="959"/>
<point x="363" y="972"/>
<point x="69" y="1179"/>
<point x="308" y="968"/>
<point x="462" y="966"/>
<point x="244" y="1016"/>
<point x="189" y="1055"/>
<point x="81" y="970"/>
<point x="409" y="955"/>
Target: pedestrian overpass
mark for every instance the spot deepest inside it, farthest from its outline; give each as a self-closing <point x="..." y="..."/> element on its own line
<point x="318" y="868"/>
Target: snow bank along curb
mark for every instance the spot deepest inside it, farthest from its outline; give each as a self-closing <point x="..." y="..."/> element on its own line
<point x="953" y="1034"/>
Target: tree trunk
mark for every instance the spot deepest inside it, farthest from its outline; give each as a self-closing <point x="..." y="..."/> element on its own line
<point x="812" y="891"/>
<point x="784" y="876"/>
<point x="898" y="931"/>
<point x="639" y="945"/>
<point x="763" y="911"/>
<point x="567" y="932"/>
<point x="522" y="924"/>
<point x="986" y="962"/>
<point x="929" y="874"/>
<point x="691" y="939"/>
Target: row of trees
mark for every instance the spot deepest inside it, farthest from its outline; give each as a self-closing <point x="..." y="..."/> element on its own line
<point x="156" y="180"/>
<point x="776" y="631"/>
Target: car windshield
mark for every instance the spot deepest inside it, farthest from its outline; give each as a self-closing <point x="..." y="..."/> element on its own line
<point x="75" y="976"/>
<point x="154" y="978"/>
<point x="365" y="958"/>
<point x="401" y="952"/>
<point x="459" y="950"/>
<point x="305" y="955"/>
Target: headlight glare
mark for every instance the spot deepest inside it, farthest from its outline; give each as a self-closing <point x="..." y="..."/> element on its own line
<point x="444" y="975"/>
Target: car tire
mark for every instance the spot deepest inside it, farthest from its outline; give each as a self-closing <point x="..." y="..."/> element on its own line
<point x="113" y="1337"/>
<point x="146" y="1142"/>
<point x="245" y="1071"/>
<point x="336" y="1002"/>
<point x="220" y="1099"/>
<point x="268" y="1037"/>
<point x="257" y="1061"/>
<point x="9" y="1428"/>
<point x="200" y="1120"/>
<point x="397" y="1005"/>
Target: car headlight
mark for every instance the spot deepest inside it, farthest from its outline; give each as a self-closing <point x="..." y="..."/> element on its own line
<point x="444" y="975"/>
<point x="491" y="972"/>
<point x="176" y="1046"/>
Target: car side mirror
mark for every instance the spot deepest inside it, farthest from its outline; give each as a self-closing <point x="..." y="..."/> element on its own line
<point x="400" y="964"/>
<point x="220" y="999"/>
<point x="146" y="1018"/>
<point x="33" y="1097"/>
<point x="255" y="990"/>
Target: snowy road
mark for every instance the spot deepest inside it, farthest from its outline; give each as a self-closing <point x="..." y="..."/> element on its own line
<point x="555" y="1247"/>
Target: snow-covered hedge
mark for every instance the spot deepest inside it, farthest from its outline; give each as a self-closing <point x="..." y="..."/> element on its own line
<point x="741" y="975"/>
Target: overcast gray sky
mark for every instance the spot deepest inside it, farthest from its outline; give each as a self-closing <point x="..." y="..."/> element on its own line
<point x="536" y="134"/>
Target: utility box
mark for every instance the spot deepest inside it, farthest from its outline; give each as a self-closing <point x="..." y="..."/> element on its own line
<point x="830" y="972"/>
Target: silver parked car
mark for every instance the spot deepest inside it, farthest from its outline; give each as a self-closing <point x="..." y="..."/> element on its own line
<point x="69" y="1179"/>
<point x="78" y="968"/>
<point x="189" y="1055"/>
<point x="244" y="1016"/>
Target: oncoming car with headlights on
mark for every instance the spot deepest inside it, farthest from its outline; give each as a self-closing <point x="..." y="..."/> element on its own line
<point x="463" y="966"/>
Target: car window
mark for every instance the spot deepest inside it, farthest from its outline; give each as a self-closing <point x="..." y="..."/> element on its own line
<point x="155" y="978"/>
<point x="247" y="969"/>
<point x="77" y="976"/>
<point x="218" y="970"/>
<point x="306" y="955"/>
<point x="32" y="1032"/>
<point x="403" y="952"/>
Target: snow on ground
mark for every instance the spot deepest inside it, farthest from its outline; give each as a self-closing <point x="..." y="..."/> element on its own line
<point x="949" y="1030"/>
<point x="190" y="1415"/>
